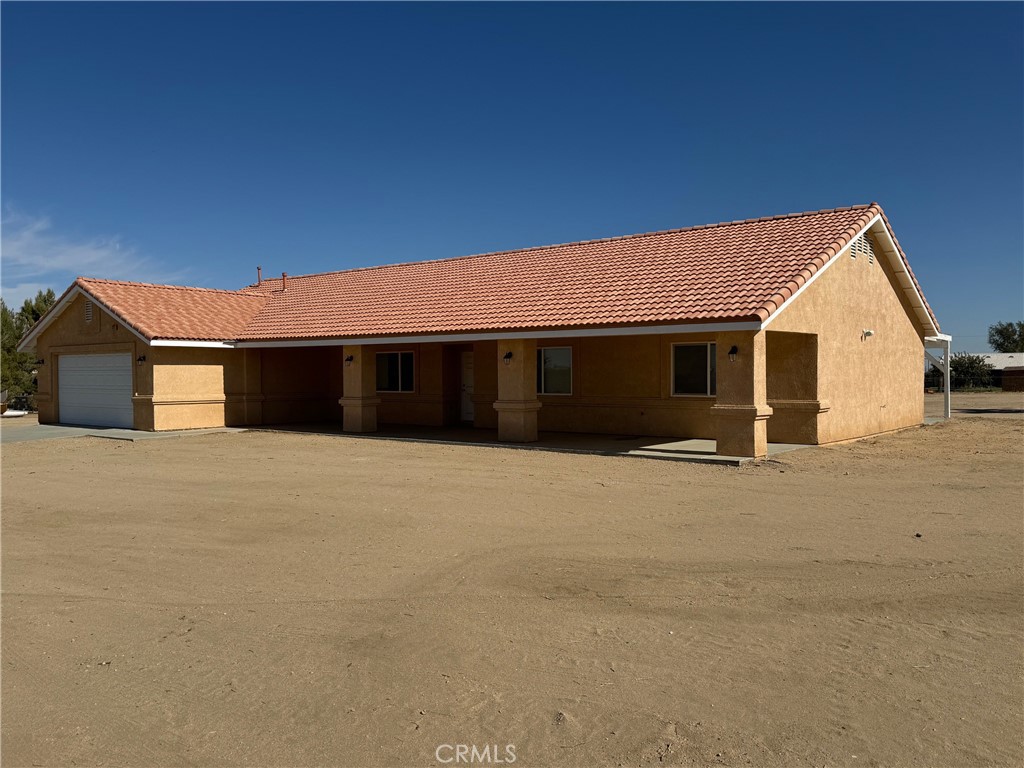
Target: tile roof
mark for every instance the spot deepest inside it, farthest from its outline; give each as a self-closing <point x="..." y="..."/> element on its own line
<point x="175" y="312"/>
<point x="733" y="271"/>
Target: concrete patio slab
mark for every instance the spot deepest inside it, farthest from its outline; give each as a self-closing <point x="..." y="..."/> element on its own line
<point x="27" y="428"/>
<point x="639" y="446"/>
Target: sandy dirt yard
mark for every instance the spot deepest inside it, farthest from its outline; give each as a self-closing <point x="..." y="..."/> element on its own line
<point x="287" y="599"/>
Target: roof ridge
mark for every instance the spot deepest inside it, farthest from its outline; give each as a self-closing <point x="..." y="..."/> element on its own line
<point x="615" y="238"/>
<point x="134" y="283"/>
<point x="776" y="300"/>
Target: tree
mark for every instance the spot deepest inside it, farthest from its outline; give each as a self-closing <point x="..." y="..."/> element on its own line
<point x="1006" y="337"/>
<point x="968" y="371"/>
<point x="16" y="368"/>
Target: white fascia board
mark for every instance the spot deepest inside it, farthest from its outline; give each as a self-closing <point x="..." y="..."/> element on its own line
<point x="58" y="309"/>
<point x="190" y="343"/>
<point x="902" y="270"/>
<point x="816" y="275"/>
<point x="895" y="261"/>
<point x="452" y="338"/>
<point x="52" y="314"/>
<point x="939" y="338"/>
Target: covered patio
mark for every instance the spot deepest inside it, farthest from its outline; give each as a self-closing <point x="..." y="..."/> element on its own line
<point x="694" y="450"/>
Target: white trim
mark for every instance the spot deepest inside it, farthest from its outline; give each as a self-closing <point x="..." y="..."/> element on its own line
<point x="543" y="378"/>
<point x="633" y="330"/>
<point x="816" y="275"/>
<point x="709" y="357"/>
<point x="58" y="309"/>
<point x="896" y="261"/>
<point x="188" y="343"/>
<point x="52" y="314"/>
<point x="939" y="337"/>
<point x="907" y="282"/>
<point x="398" y="391"/>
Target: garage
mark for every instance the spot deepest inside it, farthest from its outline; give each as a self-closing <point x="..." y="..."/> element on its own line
<point x="96" y="390"/>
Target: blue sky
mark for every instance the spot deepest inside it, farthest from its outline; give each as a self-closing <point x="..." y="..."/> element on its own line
<point x="189" y="142"/>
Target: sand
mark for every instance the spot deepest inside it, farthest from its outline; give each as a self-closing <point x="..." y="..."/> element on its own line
<point x="286" y="599"/>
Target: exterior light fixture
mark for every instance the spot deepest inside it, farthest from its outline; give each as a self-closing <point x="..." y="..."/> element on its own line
<point x="867" y="333"/>
<point x="140" y="359"/>
<point x="507" y="359"/>
<point x="348" y="360"/>
<point x="733" y="351"/>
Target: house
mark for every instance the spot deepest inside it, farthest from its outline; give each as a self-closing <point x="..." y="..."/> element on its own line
<point x="804" y="328"/>
<point x="1004" y="369"/>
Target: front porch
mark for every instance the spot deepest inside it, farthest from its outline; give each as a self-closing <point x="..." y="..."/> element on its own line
<point x="702" y="394"/>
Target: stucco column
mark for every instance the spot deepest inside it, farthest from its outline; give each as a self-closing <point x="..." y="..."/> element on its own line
<point x="517" y="402"/>
<point x="359" y="380"/>
<point x="741" y="407"/>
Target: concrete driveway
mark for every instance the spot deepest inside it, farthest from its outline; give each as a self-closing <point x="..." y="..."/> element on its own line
<point x="19" y="429"/>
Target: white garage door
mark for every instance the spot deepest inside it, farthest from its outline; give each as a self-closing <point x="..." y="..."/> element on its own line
<point x="96" y="390"/>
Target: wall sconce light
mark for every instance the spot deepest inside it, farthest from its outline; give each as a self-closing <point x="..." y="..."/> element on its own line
<point x="40" y="361"/>
<point x="348" y="360"/>
<point x="866" y="333"/>
<point x="733" y="351"/>
<point x="140" y="359"/>
<point x="507" y="359"/>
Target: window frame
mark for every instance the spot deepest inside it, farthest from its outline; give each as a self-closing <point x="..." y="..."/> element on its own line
<point x="540" y="371"/>
<point x="398" y="391"/>
<point x="712" y="349"/>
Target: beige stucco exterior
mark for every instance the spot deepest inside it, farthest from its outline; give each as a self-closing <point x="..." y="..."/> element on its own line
<point x="865" y="384"/>
<point x="70" y="333"/>
<point x="810" y="376"/>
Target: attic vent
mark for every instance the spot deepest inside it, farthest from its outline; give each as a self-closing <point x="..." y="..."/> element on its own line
<point x="88" y="311"/>
<point x="862" y="246"/>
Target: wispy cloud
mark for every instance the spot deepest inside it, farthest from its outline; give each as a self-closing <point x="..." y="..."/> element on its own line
<point x="35" y="256"/>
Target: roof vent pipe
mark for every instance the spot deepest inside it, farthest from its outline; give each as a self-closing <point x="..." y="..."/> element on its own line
<point x="259" y="275"/>
<point x="284" y="281"/>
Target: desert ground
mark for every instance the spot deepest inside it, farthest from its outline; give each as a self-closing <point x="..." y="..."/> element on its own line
<point x="297" y="599"/>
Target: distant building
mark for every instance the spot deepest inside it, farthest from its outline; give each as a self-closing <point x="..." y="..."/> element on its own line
<point x="1000" y="361"/>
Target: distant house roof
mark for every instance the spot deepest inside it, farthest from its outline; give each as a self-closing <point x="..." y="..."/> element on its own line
<point x="729" y="272"/>
<point x="1002" y="360"/>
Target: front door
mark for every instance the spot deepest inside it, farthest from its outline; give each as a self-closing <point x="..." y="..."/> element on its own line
<point x="466" y="387"/>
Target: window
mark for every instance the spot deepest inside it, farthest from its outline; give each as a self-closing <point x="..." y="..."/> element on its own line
<point x="394" y="372"/>
<point x="693" y="369"/>
<point x="554" y="371"/>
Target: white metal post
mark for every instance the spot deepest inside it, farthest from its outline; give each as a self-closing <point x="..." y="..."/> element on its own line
<point x="946" y="345"/>
<point x="945" y="342"/>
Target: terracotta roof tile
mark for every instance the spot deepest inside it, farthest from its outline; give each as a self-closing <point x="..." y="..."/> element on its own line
<point x="175" y="312"/>
<point x="734" y="271"/>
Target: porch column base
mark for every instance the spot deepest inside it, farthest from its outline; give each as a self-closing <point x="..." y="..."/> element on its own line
<point x="742" y="430"/>
<point x="359" y="414"/>
<point x="517" y="420"/>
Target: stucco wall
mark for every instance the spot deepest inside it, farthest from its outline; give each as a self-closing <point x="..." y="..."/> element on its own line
<point x="71" y="334"/>
<point x="190" y="386"/>
<point x="425" y="405"/>
<point x="791" y="376"/>
<point x="622" y="385"/>
<point x="868" y="384"/>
